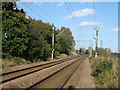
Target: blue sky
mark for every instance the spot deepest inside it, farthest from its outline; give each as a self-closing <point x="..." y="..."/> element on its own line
<point x="80" y="20"/>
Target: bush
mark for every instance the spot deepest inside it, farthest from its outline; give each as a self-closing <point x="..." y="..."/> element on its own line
<point x="105" y="71"/>
<point x="102" y="67"/>
<point x="104" y="52"/>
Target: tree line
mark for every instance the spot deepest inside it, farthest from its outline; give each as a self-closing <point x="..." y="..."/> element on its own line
<point x="29" y="38"/>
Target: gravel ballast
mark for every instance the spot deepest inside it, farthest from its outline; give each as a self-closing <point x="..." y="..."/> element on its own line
<point x="28" y="80"/>
<point x="82" y="77"/>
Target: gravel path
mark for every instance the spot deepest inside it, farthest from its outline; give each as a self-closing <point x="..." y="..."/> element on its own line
<point x="82" y="77"/>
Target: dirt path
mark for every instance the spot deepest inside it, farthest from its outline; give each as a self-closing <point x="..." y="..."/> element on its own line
<point x="82" y="77"/>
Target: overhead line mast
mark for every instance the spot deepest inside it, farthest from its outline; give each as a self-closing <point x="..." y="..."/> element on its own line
<point x="53" y="39"/>
<point x="96" y="28"/>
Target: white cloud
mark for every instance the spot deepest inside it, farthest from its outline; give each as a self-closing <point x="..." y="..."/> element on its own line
<point x="88" y="24"/>
<point x="60" y="4"/>
<point x="81" y="13"/>
<point x="116" y="29"/>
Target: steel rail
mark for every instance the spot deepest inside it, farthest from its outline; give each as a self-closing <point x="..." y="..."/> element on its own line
<point x="34" y="66"/>
<point x="63" y="84"/>
<point x="56" y="62"/>
<point x="33" y="85"/>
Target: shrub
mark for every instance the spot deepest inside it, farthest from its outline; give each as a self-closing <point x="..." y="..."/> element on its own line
<point x="105" y="71"/>
<point x="102" y="67"/>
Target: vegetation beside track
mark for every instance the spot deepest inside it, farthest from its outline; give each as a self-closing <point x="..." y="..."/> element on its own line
<point x="11" y="61"/>
<point x="26" y="40"/>
<point x="105" y="69"/>
<point x="14" y="61"/>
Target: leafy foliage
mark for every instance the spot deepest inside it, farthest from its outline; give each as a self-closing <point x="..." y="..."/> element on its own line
<point x="105" y="71"/>
<point x="104" y="52"/>
<point x="102" y="67"/>
<point x="40" y="40"/>
<point x="29" y="38"/>
<point x="14" y="28"/>
<point x="66" y="41"/>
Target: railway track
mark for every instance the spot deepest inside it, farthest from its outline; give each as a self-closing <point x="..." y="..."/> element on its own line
<point x="59" y="78"/>
<point x="26" y="71"/>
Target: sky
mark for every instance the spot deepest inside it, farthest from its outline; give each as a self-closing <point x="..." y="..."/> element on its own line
<point x="80" y="18"/>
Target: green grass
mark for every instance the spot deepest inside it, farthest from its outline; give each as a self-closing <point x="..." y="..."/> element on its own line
<point x="105" y="71"/>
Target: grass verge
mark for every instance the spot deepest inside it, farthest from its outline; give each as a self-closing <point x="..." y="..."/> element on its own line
<point x="105" y="71"/>
<point x="14" y="61"/>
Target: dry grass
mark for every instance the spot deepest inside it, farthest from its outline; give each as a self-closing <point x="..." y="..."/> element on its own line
<point x="15" y="61"/>
<point x="105" y="71"/>
<point x="11" y="61"/>
<point x="62" y="56"/>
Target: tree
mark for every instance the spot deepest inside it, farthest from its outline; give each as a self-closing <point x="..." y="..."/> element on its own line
<point x="14" y="28"/>
<point x="40" y="40"/>
<point x="29" y="38"/>
<point x="66" y="41"/>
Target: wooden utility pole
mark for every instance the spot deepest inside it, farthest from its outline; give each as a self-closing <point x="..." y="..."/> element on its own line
<point x="53" y="38"/>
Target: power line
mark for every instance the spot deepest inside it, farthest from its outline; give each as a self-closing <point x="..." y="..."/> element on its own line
<point x="39" y="15"/>
<point x="35" y="12"/>
<point x="50" y="17"/>
<point x="73" y="9"/>
<point x="70" y="13"/>
<point x="47" y="28"/>
<point x="94" y="11"/>
<point x="29" y="13"/>
<point x="75" y="15"/>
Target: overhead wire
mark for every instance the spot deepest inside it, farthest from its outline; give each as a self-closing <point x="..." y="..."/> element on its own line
<point x="77" y="21"/>
<point x="28" y="13"/>
<point x="50" y="17"/>
<point x="70" y="14"/>
<point x="74" y="21"/>
<point x="95" y="19"/>
<point x="94" y="13"/>
<point x="38" y="15"/>
<point x="35" y="12"/>
<point x="75" y="15"/>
